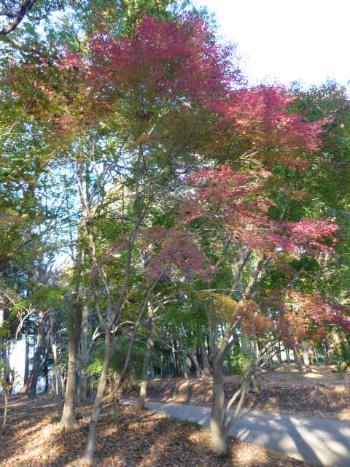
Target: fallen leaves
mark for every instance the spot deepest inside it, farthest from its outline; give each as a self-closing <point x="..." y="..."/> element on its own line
<point x="126" y="438"/>
<point x="318" y="393"/>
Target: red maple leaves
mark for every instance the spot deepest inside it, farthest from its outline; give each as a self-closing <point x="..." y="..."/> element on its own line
<point x="305" y="316"/>
<point x="173" y="251"/>
<point x="237" y="202"/>
<point x="162" y="61"/>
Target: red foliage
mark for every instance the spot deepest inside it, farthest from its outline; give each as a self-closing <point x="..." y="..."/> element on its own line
<point x="324" y="313"/>
<point x="175" y="251"/>
<point x="260" y="115"/>
<point x="171" y="60"/>
<point x="236" y="201"/>
<point x="255" y="324"/>
<point x="305" y="316"/>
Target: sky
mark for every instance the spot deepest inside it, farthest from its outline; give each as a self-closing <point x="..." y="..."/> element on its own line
<point x="287" y="40"/>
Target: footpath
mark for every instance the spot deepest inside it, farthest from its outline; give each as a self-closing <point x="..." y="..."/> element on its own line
<point x="322" y="441"/>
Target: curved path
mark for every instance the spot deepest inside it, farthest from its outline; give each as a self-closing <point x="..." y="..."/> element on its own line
<point x="322" y="441"/>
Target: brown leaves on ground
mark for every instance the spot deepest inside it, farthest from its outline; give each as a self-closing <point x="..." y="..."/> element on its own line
<point x="318" y="393"/>
<point x="126" y="438"/>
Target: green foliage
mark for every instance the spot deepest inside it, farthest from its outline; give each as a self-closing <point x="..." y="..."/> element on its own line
<point x="341" y="357"/>
<point x="240" y="362"/>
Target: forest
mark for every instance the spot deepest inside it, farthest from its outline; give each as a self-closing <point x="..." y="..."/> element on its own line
<point x="163" y="224"/>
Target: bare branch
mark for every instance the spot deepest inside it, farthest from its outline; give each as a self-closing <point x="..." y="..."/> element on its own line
<point x="16" y="16"/>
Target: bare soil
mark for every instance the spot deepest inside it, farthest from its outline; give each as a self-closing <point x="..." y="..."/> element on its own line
<point x="321" y="392"/>
<point x="126" y="438"/>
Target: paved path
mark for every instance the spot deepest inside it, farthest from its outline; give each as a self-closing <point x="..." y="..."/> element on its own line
<point x="321" y="441"/>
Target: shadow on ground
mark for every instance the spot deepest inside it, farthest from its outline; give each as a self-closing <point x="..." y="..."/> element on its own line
<point x="126" y="438"/>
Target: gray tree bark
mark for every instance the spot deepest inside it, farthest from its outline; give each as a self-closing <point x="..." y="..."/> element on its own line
<point x="84" y="355"/>
<point x="43" y="331"/>
<point x="68" y="419"/>
<point x="140" y="403"/>
<point x="217" y="429"/>
<point x="88" y="458"/>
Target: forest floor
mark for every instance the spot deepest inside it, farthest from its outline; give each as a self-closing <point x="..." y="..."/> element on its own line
<point x="321" y="392"/>
<point x="126" y="438"/>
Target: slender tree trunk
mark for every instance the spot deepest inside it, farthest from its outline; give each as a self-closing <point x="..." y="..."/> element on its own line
<point x="24" y="389"/>
<point x="30" y="388"/>
<point x="298" y="360"/>
<point x="173" y="355"/>
<point x="197" y="367"/>
<point x="57" y="388"/>
<point x="149" y="349"/>
<point x="26" y="360"/>
<point x="88" y="458"/>
<point x="218" y="435"/>
<point x="161" y="365"/>
<point x="68" y="420"/>
<point x="306" y="358"/>
<point x="84" y="355"/>
<point x="287" y="354"/>
<point x="326" y="351"/>
<point x="4" y="416"/>
<point x="47" y="379"/>
<point x="206" y="365"/>
<point x="187" y="366"/>
<point x="279" y="353"/>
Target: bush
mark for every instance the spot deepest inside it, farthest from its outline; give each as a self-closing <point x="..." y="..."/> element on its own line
<point x="341" y="358"/>
<point x="241" y="362"/>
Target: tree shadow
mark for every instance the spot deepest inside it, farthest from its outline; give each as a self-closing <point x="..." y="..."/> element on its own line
<point x="317" y="440"/>
<point x="126" y="437"/>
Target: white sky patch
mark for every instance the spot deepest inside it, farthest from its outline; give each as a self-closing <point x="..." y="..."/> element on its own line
<point x="287" y="40"/>
<point x="17" y="362"/>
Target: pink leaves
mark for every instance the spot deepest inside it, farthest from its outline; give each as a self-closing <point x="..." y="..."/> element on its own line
<point x="261" y="116"/>
<point x="236" y="201"/>
<point x="162" y="60"/>
<point x="305" y="316"/>
<point x="310" y="234"/>
<point x="175" y="252"/>
<point x="324" y="313"/>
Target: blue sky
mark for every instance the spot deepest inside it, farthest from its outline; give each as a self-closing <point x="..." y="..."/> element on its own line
<point x="286" y="40"/>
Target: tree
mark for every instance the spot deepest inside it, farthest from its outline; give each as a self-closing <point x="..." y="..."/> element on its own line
<point x="240" y="204"/>
<point x="14" y="12"/>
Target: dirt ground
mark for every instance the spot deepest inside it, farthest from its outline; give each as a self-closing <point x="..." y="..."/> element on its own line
<point x="126" y="438"/>
<point x="321" y="392"/>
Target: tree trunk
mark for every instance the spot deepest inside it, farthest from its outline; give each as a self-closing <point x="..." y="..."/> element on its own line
<point x="84" y="355"/>
<point x="306" y="358"/>
<point x="197" y="367"/>
<point x="56" y="380"/>
<point x="88" y="458"/>
<point x="326" y="351"/>
<point x="47" y="379"/>
<point x="279" y="353"/>
<point x="26" y="360"/>
<point x="298" y="360"/>
<point x="287" y="354"/>
<point x="68" y="420"/>
<point x="30" y="388"/>
<point x="218" y="435"/>
<point x="206" y="364"/>
<point x="4" y="416"/>
<point x="140" y="404"/>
